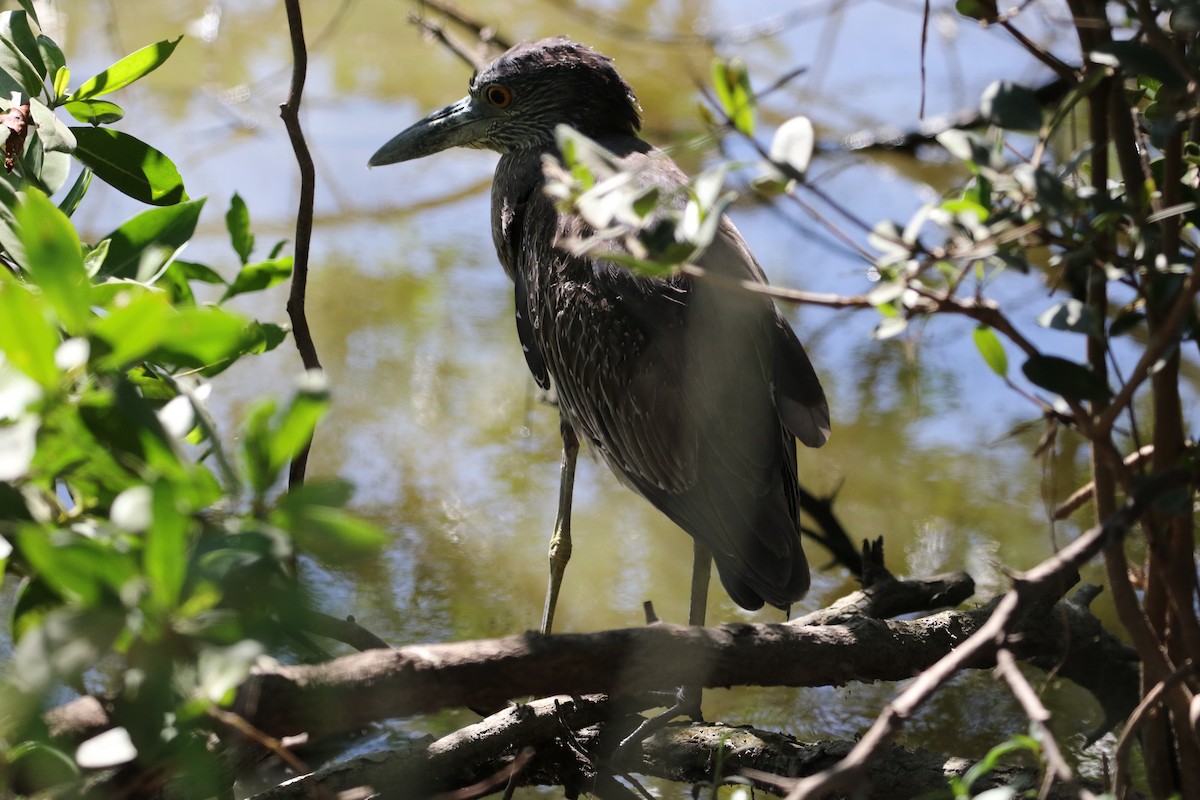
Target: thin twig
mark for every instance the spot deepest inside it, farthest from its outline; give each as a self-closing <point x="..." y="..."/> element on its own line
<point x="1006" y="666"/>
<point x="290" y="113"/>
<point x="1084" y="493"/>
<point x="237" y="723"/>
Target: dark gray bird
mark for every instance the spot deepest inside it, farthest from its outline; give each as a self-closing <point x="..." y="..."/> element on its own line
<point x="693" y="392"/>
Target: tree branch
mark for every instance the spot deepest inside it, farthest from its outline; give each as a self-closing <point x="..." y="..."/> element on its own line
<point x="290" y="113"/>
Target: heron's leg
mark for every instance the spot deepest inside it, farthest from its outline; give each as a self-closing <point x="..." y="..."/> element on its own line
<point x="691" y="696"/>
<point x="701" y="575"/>
<point x="560" y="542"/>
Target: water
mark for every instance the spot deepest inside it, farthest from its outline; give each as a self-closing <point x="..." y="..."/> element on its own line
<point x="435" y="418"/>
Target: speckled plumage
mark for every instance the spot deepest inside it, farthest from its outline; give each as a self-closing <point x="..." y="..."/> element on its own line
<point x="692" y="393"/>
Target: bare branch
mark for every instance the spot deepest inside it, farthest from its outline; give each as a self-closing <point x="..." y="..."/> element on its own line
<point x="290" y="113"/>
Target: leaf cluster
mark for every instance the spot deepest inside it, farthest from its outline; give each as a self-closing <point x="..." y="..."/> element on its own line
<point x="152" y="564"/>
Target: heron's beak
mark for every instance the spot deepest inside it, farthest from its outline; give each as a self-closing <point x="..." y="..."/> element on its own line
<point x="460" y="125"/>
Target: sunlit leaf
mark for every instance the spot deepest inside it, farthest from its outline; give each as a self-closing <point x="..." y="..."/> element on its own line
<point x="992" y="351"/>
<point x="255" y="277"/>
<point x="95" y="112"/>
<point x="126" y="71"/>
<point x="1065" y="378"/>
<point x="27" y="340"/>
<point x="197" y="337"/>
<point x="164" y="554"/>
<point x="18" y="444"/>
<point x="222" y="669"/>
<point x="79" y="568"/>
<point x="732" y="84"/>
<point x="130" y="165"/>
<point x="133" y="329"/>
<point x="50" y="129"/>
<point x="890" y="327"/>
<point x="109" y="749"/>
<point x="54" y="259"/>
<point x="793" y="144"/>
<point x="166" y="229"/>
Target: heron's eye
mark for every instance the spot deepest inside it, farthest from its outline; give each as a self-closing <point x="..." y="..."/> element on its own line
<point x="498" y="95"/>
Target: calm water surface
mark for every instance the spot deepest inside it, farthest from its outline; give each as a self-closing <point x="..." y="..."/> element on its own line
<point x="435" y="418"/>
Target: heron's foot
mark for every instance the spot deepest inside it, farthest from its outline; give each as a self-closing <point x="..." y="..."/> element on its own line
<point x="560" y="554"/>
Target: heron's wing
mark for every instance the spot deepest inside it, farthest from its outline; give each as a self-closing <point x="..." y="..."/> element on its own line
<point x="692" y="418"/>
<point x="798" y="393"/>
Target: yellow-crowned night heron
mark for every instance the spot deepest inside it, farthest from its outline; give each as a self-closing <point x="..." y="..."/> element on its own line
<point x="693" y="392"/>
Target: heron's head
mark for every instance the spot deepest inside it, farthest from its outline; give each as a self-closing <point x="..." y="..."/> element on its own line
<point x="516" y="101"/>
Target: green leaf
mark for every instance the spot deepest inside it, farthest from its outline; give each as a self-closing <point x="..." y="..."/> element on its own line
<point x="133" y="329"/>
<point x="78" y="189"/>
<point x="312" y="513"/>
<point x="1011" y="106"/>
<point x="130" y="166"/>
<point x="50" y="129"/>
<point x="66" y="643"/>
<point x="94" y="112"/>
<point x="992" y="351"/>
<point x="299" y="420"/>
<point x="207" y="335"/>
<point x="732" y="84"/>
<point x="1065" y="378"/>
<point x="272" y="336"/>
<point x="165" y="229"/>
<point x="31" y="10"/>
<point x="52" y="59"/>
<point x="237" y="220"/>
<point x="18" y="445"/>
<point x="256" y="277"/>
<point x="27" y="340"/>
<point x="126" y="71"/>
<point x="19" y="53"/>
<point x="1137" y="59"/>
<point x="75" y="567"/>
<point x="256" y="445"/>
<point x="1071" y="315"/>
<point x="332" y="534"/>
<point x="54" y="259"/>
<point x="61" y="78"/>
<point x="165" y="555"/>
<point x="981" y="10"/>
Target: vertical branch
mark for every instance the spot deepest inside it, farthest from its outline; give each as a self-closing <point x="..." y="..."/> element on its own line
<point x="1110" y="125"/>
<point x="290" y="113"/>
